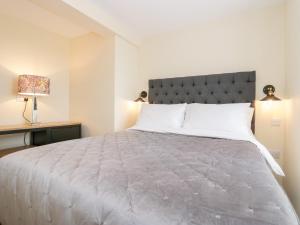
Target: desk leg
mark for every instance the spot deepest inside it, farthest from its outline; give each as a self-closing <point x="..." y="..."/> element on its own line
<point x="31" y="138"/>
<point x="49" y="136"/>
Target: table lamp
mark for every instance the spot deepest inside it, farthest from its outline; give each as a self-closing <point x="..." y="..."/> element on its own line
<point x="32" y="85"/>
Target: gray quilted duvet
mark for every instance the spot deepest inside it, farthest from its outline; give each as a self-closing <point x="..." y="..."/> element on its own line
<point x="142" y="178"/>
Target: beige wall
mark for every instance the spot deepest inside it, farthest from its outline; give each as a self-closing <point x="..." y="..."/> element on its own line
<point x="252" y="41"/>
<point x="127" y="83"/>
<point x="28" y="49"/>
<point x="92" y="83"/>
<point x="103" y="83"/>
<point x="292" y="154"/>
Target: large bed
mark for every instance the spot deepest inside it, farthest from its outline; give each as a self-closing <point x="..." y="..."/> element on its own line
<point x="148" y="178"/>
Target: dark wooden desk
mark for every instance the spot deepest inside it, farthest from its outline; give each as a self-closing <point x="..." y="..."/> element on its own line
<point x="43" y="133"/>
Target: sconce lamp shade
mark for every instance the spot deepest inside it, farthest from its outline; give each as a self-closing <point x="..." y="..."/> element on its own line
<point x="269" y="91"/>
<point x="33" y="85"/>
<point x="142" y="97"/>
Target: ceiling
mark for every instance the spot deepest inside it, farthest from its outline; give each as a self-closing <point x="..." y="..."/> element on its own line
<point x="132" y="19"/>
<point x="151" y="17"/>
<point x="32" y="13"/>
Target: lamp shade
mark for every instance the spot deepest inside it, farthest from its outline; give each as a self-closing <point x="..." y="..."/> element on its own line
<point x="33" y="85"/>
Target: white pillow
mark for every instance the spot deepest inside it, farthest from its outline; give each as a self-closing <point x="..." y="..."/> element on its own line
<point x="160" y="117"/>
<point x="226" y="118"/>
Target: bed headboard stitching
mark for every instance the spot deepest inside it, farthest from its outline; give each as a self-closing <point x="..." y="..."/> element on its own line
<point x="224" y="88"/>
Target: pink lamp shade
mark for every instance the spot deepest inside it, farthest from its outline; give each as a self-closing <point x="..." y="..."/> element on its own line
<point x="33" y="85"/>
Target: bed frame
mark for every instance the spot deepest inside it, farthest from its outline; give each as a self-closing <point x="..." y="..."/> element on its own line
<point x="224" y="88"/>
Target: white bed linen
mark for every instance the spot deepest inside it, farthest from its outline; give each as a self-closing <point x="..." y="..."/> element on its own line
<point x="235" y="117"/>
<point x="161" y="116"/>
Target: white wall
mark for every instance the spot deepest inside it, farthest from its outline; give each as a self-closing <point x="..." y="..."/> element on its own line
<point x="92" y="83"/>
<point x="27" y="49"/>
<point x="103" y="82"/>
<point x="252" y="41"/>
<point x="127" y="83"/>
<point x="95" y="11"/>
<point x="292" y="154"/>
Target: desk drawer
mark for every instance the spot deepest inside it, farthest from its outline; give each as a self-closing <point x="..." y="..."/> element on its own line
<point x="64" y="133"/>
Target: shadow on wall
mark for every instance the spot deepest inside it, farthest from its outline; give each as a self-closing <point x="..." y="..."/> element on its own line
<point x="10" y="108"/>
<point x="53" y="107"/>
<point x="8" y="84"/>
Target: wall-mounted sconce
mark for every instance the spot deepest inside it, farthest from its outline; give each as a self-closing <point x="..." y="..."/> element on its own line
<point x="269" y="91"/>
<point x="142" y="97"/>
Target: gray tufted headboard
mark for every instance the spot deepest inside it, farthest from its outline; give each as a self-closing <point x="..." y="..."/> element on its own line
<point x="211" y="89"/>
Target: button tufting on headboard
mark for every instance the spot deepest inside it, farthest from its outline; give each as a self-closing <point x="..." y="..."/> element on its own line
<point x="212" y="89"/>
<point x="209" y="89"/>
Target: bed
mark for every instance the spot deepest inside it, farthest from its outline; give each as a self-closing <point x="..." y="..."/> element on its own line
<point x="148" y="178"/>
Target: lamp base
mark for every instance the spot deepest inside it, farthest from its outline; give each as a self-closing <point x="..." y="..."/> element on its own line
<point x="34" y="116"/>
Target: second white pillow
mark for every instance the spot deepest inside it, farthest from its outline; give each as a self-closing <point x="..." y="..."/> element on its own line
<point x="233" y="118"/>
